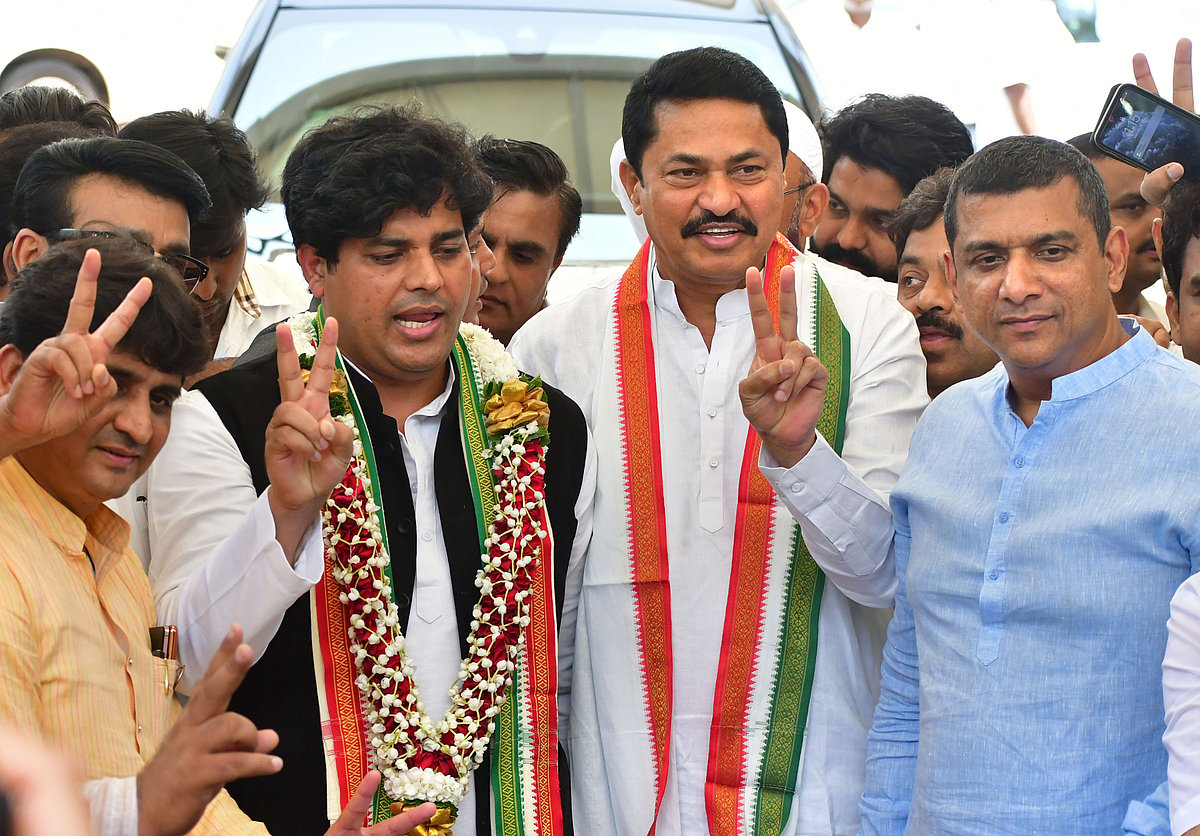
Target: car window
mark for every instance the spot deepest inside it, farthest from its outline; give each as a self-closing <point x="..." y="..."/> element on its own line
<point x="557" y="78"/>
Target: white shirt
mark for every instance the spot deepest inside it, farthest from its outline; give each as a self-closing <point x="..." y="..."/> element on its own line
<point x="841" y="504"/>
<point x="1181" y="695"/>
<point x="275" y="294"/>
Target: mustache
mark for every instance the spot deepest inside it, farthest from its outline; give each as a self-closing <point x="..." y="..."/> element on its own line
<point x="706" y="217"/>
<point x="119" y="439"/>
<point x="932" y="320"/>
<point x="1146" y="246"/>
<point x="854" y="258"/>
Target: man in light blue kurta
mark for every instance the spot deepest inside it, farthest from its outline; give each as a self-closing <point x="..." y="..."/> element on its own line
<point x="1046" y="515"/>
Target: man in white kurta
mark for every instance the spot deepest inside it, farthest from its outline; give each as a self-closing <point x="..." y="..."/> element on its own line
<point x="709" y="184"/>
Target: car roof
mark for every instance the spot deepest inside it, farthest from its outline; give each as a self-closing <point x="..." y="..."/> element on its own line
<point x="722" y="9"/>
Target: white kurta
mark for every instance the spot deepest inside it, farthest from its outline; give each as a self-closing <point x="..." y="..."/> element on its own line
<point x="841" y="504"/>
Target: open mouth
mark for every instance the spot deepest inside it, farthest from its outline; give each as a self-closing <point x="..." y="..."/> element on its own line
<point x="417" y="323"/>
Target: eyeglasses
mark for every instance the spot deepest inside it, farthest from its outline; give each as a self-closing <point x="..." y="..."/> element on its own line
<point x="800" y="188"/>
<point x="191" y="270"/>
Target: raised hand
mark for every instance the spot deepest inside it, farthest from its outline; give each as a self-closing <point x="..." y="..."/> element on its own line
<point x="1157" y="184"/>
<point x="349" y="823"/>
<point x="784" y="391"/>
<point x="307" y="451"/>
<point x="206" y="748"/>
<point x="63" y="382"/>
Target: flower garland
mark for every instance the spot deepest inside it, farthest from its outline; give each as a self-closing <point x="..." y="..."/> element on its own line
<point x="421" y="760"/>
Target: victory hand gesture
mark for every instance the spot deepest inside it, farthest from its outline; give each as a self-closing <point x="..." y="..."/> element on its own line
<point x="206" y="748"/>
<point x="63" y="382"/>
<point x="784" y="392"/>
<point x="1157" y="184"/>
<point x="307" y="451"/>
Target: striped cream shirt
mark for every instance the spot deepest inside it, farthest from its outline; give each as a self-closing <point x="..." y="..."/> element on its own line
<point x="75" y="660"/>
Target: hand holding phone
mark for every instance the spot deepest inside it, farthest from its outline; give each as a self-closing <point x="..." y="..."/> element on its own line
<point x="1144" y="130"/>
<point x="1156" y="186"/>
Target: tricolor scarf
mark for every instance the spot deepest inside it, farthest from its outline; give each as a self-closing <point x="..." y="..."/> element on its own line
<point x="774" y="597"/>
<point x="524" y="784"/>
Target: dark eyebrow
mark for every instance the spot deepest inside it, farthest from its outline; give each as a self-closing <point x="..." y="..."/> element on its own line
<point x="746" y="155"/>
<point x="529" y="246"/>
<point x="391" y="241"/>
<point x="910" y="259"/>
<point x="687" y="159"/>
<point x="1063" y="235"/>
<point x="172" y="392"/>
<point x="124" y="375"/>
<point x="449" y="235"/>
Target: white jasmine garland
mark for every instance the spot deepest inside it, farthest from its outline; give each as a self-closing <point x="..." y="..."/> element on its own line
<point x="405" y="742"/>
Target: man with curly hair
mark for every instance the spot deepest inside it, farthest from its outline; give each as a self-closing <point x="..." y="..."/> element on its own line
<point x="380" y="204"/>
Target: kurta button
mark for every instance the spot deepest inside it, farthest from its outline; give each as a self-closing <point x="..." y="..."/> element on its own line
<point x="699" y="368"/>
<point x="795" y="487"/>
<point x="712" y="412"/>
<point x="713" y="462"/>
<point x="426" y="536"/>
<point x="1004" y="516"/>
<point x="1019" y="462"/>
<point x="992" y="575"/>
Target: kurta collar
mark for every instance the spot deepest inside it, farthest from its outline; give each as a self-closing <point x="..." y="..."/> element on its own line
<point x="1109" y="368"/>
<point x="1139" y="348"/>
<point x="59" y="524"/>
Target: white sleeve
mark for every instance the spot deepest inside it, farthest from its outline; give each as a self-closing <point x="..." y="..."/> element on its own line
<point x="112" y="804"/>
<point x="574" y="585"/>
<point x="214" y="559"/>
<point x="841" y="503"/>
<point x="1181" y="697"/>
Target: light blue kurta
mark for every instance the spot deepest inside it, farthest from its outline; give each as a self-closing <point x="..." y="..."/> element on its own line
<point x="1022" y="690"/>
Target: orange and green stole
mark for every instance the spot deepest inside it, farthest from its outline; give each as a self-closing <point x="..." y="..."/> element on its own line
<point x="769" y="643"/>
<point x="525" y="798"/>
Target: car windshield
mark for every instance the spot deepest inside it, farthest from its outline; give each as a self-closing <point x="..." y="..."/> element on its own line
<point x="557" y="78"/>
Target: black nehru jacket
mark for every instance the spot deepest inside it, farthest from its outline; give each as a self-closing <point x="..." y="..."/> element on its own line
<point x="280" y="691"/>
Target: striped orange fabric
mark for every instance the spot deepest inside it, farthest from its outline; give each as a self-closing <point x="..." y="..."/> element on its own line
<point x="75" y="661"/>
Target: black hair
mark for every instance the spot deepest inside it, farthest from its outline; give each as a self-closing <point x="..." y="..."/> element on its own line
<point x="167" y="333"/>
<point x="1086" y="146"/>
<point x="41" y="198"/>
<point x="345" y="178"/>
<point x="217" y="150"/>
<point x="906" y="137"/>
<point x="524" y="166"/>
<point x="1016" y="163"/>
<point x="1180" y="225"/>
<point x="706" y="72"/>
<point x="31" y="104"/>
<point x="921" y="208"/>
<point x="16" y="146"/>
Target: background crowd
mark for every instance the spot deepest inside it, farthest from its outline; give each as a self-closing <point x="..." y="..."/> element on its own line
<point x="861" y="500"/>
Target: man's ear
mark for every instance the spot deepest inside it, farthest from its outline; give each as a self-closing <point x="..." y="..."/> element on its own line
<point x="11" y="360"/>
<point x="1173" y="317"/>
<point x="633" y="186"/>
<point x="1116" y="256"/>
<point x="27" y="247"/>
<point x="812" y="209"/>
<point x="951" y="273"/>
<point x="314" y="267"/>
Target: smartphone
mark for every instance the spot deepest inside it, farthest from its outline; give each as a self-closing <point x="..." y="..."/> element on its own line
<point x="1144" y="130"/>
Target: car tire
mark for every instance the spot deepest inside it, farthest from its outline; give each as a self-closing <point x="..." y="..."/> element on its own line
<point x="87" y="84"/>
